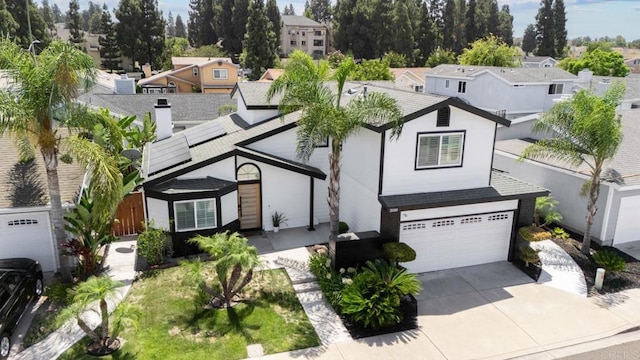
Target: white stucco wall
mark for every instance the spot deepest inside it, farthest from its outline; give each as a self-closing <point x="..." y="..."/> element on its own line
<point x="359" y="205"/>
<point x="400" y="176"/>
<point x="158" y="211"/>
<point x="253" y="116"/>
<point x="564" y="186"/>
<point x="223" y="169"/>
<point x="229" y="207"/>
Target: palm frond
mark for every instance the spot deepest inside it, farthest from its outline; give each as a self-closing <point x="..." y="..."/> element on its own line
<point x="375" y="109"/>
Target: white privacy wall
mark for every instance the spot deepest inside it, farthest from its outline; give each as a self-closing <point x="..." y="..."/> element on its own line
<point x="158" y="211"/>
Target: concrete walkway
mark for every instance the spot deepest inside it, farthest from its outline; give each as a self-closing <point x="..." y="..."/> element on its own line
<point x="558" y="268"/>
<point x="119" y="265"/>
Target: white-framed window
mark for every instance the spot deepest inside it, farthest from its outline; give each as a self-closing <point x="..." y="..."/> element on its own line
<point x="418" y="88"/>
<point x="194" y="71"/>
<point x="171" y="83"/>
<point x="303" y="43"/>
<point x="292" y="43"/>
<point x="439" y="150"/>
<point x="155" y="91"/>
<point x="195" y="214"/>
<point x="462" y="87"/>
<point x="446" y="84"/>
<point x="555" y="89"/>
<point x="220" y="73"/>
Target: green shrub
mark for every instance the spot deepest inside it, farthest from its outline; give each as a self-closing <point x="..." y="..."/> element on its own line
<point x="151" y="245"/>
<point x="343" y="227"/>
<point x="610" y="261"/>
<point x="373" y="297"/>
<point x="399" y="252"/>
<point x="528" y="255"/>
<point x="533" y="233"/>
<point x="331" y="282"/>
<point x="560" y="233"/>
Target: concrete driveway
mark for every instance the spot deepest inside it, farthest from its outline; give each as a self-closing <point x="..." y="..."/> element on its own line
<point x="496" y="311"/>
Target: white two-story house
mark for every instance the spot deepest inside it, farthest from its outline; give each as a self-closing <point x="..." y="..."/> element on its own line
<point x="508" y="92"/>
<point x="433" y="187"/>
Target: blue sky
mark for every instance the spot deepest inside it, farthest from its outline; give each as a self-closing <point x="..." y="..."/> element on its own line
<point x="595" y="18"/>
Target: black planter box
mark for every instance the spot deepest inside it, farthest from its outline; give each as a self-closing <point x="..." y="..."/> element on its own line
<point x="409" y="308"/>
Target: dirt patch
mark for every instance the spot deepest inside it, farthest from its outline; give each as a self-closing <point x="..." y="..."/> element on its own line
<point x="613" y="282"/>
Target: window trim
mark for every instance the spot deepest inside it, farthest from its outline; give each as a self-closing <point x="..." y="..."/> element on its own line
<point x="462" y="85"/>
<point x="319" y="42"/>
<point x="195" y="214"/>
<point x="439" y="133"/>
<point x="446" y="84"/>
<point x="553" y="89"/>
<point x="195" y="72"/>
<point x="226" y="72"/>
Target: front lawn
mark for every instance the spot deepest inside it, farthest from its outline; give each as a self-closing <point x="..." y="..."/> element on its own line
<point x="174" y="325"/>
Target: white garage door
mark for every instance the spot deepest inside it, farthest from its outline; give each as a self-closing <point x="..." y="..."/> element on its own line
<point x="628" y="225"/>
<point x="457" y="241"/>
<point x="28" y="235"/>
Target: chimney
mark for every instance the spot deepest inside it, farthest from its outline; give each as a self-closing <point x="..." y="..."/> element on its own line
<point x="124" y="85"/>
<point x="146" y="69"/>
<point x="585" y="76"/>
<point x="603" y="86"/>
<point x="164" y="124"/>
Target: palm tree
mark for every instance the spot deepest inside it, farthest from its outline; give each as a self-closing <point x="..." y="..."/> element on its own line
<point x="303" y="88"/>
<point x="586" y="130"/>
<point x="98" y="290"/>
<point x="45" y="88"/>
<point x="234" y="261"/>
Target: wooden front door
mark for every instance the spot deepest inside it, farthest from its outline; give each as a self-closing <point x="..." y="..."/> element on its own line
<point x="249" y="211"/>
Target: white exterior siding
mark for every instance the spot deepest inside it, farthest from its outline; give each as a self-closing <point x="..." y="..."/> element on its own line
<point x="490" y="93"/>
<point x="254" y="116"/>
<point x="285" y="192"/>
<point x="229" y="207"/>
<point x="158" y="211"/>
<point x="28" y="233"/>
<point x="223" y="169"/>
<point x="564" y="186"/>
<point x="359" y="205"/>
<point x="284" y="145"/>
<point x="400" y="176"/>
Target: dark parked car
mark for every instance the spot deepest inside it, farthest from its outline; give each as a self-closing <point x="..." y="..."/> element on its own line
<point x="20" y="282"/>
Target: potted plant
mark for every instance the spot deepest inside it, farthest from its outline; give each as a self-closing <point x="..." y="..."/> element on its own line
<point x="277" y="219"/>
<point x="92" y="295"/>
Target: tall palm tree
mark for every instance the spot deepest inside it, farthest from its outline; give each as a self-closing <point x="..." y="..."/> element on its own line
<point x="303" y="87"/>
<point x="585" y="130"/>
<point x="47" y="85"/>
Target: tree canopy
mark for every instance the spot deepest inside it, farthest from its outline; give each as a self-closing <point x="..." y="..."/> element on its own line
<point x="490" y="51"/>
<point x="603" y="63"/>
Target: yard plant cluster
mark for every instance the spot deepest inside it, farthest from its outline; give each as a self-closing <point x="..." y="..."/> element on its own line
<point x="370" y="296"/>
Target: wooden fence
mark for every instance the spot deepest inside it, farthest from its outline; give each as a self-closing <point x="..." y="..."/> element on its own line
<point x="129" y="217"/>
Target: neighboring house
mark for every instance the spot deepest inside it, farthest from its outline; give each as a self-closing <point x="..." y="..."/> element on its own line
<point x="411" y="79"/>
<point x="633" y="64"/>
<point x="529" y="61"/>
<point x="271" y="74"/>
<point x="91" y="45"/>
<point x="302" y="33"/>
<point x="599" y="84"/>
<point x="432" y="188"/>
<point x="507" y="92"/>
<point x="27" y="231"/>
<point x="193" y="74"/>
<point x="617" y="220"/>
<point x="188" y="109"/>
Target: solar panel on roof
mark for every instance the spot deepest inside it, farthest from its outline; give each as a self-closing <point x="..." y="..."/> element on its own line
<point x="203" y="133"/>
<point x="168" y="153"/>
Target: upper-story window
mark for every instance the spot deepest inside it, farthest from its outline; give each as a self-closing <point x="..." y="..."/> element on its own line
<point x="446" y="84"/>
<point x="437" y="150"/>
<point x="304" y="33"/>
<point x="318" y="42"/>
<point x="462" y="87"/>
<point x="194" y="71"/>
<point x="444" y="115"/>
<point x="303" y="43"/>
<point x="220" y="74"/>
<point x="195" y="214"/>
<point x="555" y="89"/>
<point x="317" y="33"/>
<point x="292" y="43"/>
<point x="418" y="88"/>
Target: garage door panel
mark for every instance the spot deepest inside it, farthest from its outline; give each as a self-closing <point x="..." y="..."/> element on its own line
<point x="457" y="242"/>
<point x="27" y="235"/>
<point x="628" y="224"/>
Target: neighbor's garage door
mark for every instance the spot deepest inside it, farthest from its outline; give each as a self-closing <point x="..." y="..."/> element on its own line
<point x="28" y="235"/>
<point x="457" y="241"/>
<point x="628" y="225"/>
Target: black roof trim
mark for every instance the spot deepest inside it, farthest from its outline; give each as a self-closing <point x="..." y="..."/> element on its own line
<point x="282" y="163"/>
<point x="447" y="102"/>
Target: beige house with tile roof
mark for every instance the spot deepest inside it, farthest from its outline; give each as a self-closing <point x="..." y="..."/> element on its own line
<point x="193" y="74"/>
